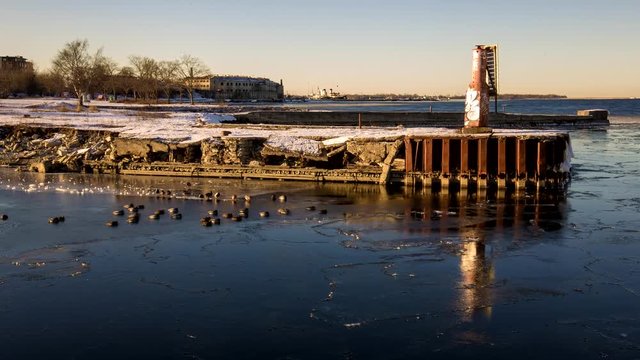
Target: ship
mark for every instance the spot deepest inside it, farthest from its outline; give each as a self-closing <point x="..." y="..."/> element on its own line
<point x="327" y="95"/>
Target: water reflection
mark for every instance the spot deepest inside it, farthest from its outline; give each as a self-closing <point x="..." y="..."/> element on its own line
<point x="432" y="243"/>
<point x="477" y="275"/>
<point x="484" y="221"/>
<point x="415" y="252"/>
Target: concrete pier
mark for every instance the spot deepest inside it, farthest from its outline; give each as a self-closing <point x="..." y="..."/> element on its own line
<point x="452" y="120"/>
<point x="422" y="158"/>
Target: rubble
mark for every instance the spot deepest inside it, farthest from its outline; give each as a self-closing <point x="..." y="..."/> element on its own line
<point x="45" y="150"/>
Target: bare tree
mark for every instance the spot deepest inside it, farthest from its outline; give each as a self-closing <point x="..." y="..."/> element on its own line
<point x="77" y="67"/>
<point x="51" y="83"/>
<point x="15" y="81"/>
<point x="146" y="71"/>
<point x="108" y="70"/>
<point x="168" y="76"/>
<point x="126" y="80"/>
<point x="190" y="69"/>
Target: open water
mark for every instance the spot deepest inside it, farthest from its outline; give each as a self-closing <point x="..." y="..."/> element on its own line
<point x="616" y="107"/>
<point x="384" y="274"/>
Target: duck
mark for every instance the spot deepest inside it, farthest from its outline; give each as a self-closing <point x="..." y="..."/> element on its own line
<point x="111" y="223"/>
<point x="283" y="211"/>
<point x="263" y="214"/>
<point x="118" y="212"/>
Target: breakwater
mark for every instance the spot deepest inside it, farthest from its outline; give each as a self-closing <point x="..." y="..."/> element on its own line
<point x="583" y="119"/>
<point x="428" y="157"/>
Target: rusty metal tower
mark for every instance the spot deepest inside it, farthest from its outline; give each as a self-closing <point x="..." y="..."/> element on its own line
<point x="484" y="84"/>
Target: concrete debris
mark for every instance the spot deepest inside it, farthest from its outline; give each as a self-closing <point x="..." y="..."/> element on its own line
<point x="46" y="150"/>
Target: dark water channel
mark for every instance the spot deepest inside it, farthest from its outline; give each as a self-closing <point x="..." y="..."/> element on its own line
<point x="384" y="274"/>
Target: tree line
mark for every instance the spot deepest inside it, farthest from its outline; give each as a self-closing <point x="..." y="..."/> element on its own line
<point x="77" y="70"/>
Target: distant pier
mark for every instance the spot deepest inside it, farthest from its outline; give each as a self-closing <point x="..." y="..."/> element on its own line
<point x="583" y="119"/>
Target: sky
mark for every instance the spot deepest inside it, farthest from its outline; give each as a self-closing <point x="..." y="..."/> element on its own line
<point x="578" y="48"/>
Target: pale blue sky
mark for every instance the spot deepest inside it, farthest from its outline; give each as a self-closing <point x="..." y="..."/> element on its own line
<point x="581" y="48"/>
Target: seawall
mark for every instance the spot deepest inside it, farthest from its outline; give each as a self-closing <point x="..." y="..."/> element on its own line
<point x="417" y="119"/>
<point x="429" y="157"/>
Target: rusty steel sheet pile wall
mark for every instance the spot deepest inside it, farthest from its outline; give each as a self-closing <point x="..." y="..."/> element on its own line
<point x="502" y="161"/>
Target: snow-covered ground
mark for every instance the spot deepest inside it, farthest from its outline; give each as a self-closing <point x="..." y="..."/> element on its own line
<point x="186" y="127"/>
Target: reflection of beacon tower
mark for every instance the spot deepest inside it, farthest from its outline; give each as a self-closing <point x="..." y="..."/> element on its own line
<point x="477" y="275"/>
<point x="476" y="106"/>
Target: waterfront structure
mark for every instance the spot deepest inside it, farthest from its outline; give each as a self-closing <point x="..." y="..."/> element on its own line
<point x="15" y="63"/>
<point x="235" y="87"/>
<point x="484" y="83"/>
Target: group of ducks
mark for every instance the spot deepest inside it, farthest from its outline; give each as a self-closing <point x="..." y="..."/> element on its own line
<point x="211" y="219"/>
<point x="174" y="213"/>
<point x="52" y="220"/>
<point x="133" y="216"/>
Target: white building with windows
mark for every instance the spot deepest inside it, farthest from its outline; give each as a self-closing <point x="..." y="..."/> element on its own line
<point x="234" y="87"/>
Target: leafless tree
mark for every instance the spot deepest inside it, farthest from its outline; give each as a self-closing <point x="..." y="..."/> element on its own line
<point x="15" y="81"/>
<point x="126" y="80"/>
<point x="146" y="72"/>
<point x="108" y="79"/>
<point x="168" y="76"/>
<point x="77" y="67"/>
<point x="51" y="83"/>
<point x="189" y="70"/>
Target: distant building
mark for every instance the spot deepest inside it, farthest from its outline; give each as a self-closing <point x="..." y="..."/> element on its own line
<point x="234" y="87"/>
<point x="19" y="63"/>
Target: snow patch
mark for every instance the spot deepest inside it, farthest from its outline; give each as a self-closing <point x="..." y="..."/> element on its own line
<point x="213" y="118"/>
<point x="295" y="144"/>
<point x="56" y="105"/>
<point x="337" y="141"/>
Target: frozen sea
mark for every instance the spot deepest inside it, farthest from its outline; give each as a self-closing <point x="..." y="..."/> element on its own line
<point x="384" y="274"/>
